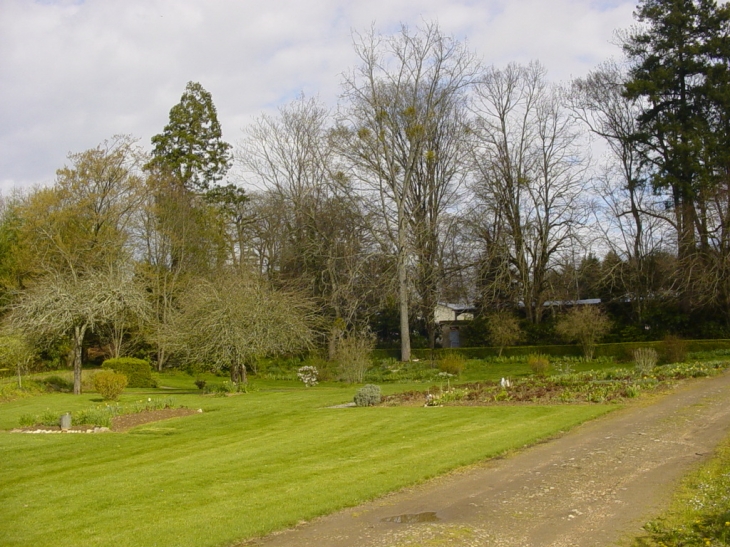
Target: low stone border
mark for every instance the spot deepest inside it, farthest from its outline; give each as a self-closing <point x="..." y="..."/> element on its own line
<point x="89" y="430"/>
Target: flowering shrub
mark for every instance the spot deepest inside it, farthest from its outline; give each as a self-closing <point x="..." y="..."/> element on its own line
<point x="308" y="375"/>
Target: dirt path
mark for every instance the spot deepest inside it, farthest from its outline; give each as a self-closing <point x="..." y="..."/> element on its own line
<point x="591" y="487"/>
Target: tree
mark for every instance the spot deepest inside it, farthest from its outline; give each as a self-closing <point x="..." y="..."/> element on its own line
<point x="503" y="329"/>
<point x="679" y="70"/>
<point x="191" y="148"/>
<point x="308" y="228"/>
<point x="586" y="325"/>
<point x="397" y="100"/>
<point x="529" y="177"/>
<point x="16" y="353"/>
<point x="83" y="223"/>
<point x="68" y="306"/>
<point x="231" y="322"/>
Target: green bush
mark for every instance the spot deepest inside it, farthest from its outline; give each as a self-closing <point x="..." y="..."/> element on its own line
<point x="539" y="364"/>
<point x="452" y="363"/>
<point x="137" y="371"/>
<point x="110" y="384"/>
<point x="368" y="395"/>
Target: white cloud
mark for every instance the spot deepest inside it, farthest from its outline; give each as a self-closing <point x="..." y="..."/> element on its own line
<point x="75" y="73"/>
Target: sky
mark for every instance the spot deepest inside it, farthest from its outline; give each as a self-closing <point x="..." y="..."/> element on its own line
<point x="73" y="73"/>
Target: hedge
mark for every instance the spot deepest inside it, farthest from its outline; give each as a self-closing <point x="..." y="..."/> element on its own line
<point x="621" y="351"/>
<point x="137" y="371"/>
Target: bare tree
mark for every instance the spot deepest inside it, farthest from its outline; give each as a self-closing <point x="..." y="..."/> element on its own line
<point x="66" y="306"/>
<point x="530" y="174"/>
<point x="232" y="321"/>
<point x="308" y="228"/>
<point x="631" y="216"/>
<point x="396" y="102"/>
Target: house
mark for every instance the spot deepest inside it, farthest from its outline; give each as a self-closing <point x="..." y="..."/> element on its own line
<point x="451" y="318"/>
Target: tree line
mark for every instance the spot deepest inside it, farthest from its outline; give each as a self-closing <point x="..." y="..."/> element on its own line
<point x="435" y="179"/>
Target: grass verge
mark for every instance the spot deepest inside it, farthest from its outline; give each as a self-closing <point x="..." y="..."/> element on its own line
<point x="700" y="512"/>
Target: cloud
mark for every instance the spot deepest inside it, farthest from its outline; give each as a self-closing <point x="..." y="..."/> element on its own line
<point x="75" y="73"/>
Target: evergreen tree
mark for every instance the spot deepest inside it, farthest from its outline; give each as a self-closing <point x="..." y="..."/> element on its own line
<point x="191" y="147"/>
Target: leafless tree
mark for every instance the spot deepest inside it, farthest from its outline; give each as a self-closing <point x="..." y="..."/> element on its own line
<point x="232" y="321"/>
<point x="530" y="172"/>
<point x="67" y="306"/>
<point x="396" y="104"/>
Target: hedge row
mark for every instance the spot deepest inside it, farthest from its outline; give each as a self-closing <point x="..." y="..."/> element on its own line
<point x="618" y="350"/>
<point x="137" y="371"/>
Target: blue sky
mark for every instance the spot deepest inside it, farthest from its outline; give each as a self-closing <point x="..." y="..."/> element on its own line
<point x="75" y="73"/>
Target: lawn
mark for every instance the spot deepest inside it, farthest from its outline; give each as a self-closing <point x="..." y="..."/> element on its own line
<point x="248" y="465"/>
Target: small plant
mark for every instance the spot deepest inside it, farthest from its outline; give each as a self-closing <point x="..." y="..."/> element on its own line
<point x="452" y="363"/>
<point x="308" y="375"/>
<point x="645" y="359"/>
<point x="673" y="349"/>
<point x="368" y="395"/>
<point x="200" y="384"/>
<point x="539" y="364"/>
<point x="27" y="420"/>
<point x="110" y="384"/>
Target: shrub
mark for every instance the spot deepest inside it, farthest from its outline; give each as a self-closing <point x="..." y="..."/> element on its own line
<point x="539" y="364"/>
<point x="368" y="395"/>
<point x="673" y="349"/>
<point x="138" y="371"/>
<point x="200" y="384"/>
<point x="452" y="363"/>
<point x="110" y="384"/>
<point x="504" y="330"/>
<point x="645" y="360"/>
<point x="353" y="355"/>
<point x="586" y="325"/>
<point x="308" y="375"/>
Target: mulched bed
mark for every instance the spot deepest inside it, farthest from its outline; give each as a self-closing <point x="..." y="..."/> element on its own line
<point x="128" y="421"/>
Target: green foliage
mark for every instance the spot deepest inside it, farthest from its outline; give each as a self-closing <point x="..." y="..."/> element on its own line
<point x="368" y="395"/>
<point x="110" y="384"/>
<point x="539" y="364"/>
<point x="673" y="349"/>
<point x="452" y="363"/>
<point x="137" y="371"/>
<point x="191" y="146"/>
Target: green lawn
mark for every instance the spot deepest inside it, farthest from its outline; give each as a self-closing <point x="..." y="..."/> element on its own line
<point x="248" y="465"/>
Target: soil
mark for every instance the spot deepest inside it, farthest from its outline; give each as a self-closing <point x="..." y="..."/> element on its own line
<point x="593" y="486"/>
<point x="128" y="421"/>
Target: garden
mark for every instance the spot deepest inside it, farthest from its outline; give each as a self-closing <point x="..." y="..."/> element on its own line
<point x="238" y="464"/>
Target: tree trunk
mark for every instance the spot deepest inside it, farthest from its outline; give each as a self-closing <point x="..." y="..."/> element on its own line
<point x="79" y="332"/>
<point x="405" y="329"/>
